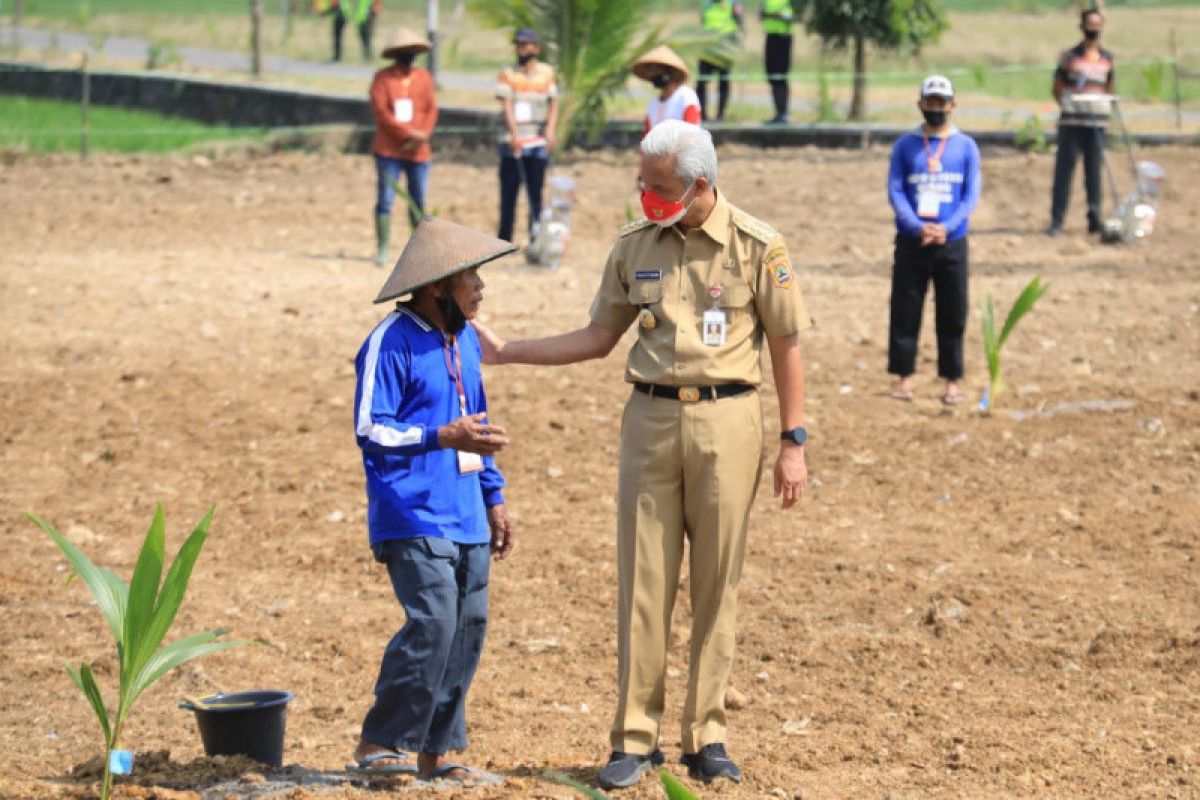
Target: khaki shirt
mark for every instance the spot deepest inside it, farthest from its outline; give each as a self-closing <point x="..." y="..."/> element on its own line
<point x="670" y="273"/>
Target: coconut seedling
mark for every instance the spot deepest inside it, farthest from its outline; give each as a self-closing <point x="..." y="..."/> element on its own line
<point x="138" y="614"/>
<point x="993" y="343"/>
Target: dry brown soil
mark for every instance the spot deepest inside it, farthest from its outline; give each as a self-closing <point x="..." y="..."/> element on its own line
<point x="962" y="606"/>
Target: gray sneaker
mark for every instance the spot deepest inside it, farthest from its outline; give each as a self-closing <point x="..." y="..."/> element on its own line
<point x="710" y="763"/>
<point x="624" y="769"/>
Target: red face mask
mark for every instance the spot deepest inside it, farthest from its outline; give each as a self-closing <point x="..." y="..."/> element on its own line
<point x="661" y="211"/>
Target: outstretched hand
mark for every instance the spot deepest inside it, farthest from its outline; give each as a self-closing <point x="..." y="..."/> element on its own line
<point x="490" y="344"/>
<point x="472" y="435"/>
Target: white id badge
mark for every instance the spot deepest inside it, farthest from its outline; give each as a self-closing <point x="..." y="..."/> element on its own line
<point x="469" y="462"/>
<point x="715" y="326"/>
<point x="928" y="204"/>
<point x="403" y="109"/>
<point x="522" y="111"/>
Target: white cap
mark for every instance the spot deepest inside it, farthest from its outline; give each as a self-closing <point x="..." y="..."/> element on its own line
<point x="937" y="86"/>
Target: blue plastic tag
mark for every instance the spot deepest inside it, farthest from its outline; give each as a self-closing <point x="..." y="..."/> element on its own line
<point x="120" y="762"/>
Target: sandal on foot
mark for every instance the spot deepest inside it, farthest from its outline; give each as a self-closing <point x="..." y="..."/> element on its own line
<point x="369" y="764"/>
<point x="902" y="393"/>
<point x="954" y="398"/>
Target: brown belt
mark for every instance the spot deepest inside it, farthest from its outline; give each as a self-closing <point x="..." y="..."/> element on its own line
<point x="693" y="394"/>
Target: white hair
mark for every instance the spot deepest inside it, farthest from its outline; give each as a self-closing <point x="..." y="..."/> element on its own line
<point x="691" y="145"/>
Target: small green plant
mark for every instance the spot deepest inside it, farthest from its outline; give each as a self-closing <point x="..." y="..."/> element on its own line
<point x="993" y="343"/>
<point x="138" y="614"/>
<point x="1031" y="136"/>
<point x="979" y="74"/>
<point x="675" y="789"/>
<point x="567" y="780"/>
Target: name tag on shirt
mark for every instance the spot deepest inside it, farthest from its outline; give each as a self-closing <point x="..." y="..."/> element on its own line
<point x="469" y="462"/>
<point x="648" y="274"/>
<point x="715" y="327"/>
<point x="522" y="111"/>
<point x="928" y="201"/>
<point x="403" y="109"/>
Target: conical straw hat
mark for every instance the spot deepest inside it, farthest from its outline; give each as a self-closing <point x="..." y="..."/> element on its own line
<point x="439" y="248"/>
<point x="661" y="56"/>
<point x="405" y="40"/>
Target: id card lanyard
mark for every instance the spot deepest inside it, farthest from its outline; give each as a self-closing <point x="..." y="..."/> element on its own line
<point x="934" y="160"/>
<point x="715" y="322"/>
<point x="467" y="462"/>
<point x="928" y="195"/>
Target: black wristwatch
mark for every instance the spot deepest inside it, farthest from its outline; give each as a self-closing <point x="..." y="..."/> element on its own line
<point x="797" y="435"/>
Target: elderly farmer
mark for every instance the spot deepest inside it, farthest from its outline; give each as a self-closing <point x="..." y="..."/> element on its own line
<point x="667" y="73"/>
<point x="933" y="186"/>
<point x="405" y="107"/>
<point x="435" y="510"/>
<point x="706" y="284"/>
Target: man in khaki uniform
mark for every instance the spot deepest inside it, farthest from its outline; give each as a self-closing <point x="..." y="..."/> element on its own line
<point x="706" y="284"/>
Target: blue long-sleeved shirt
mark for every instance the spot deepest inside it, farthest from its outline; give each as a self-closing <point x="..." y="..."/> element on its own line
<point x="405" y="392"/>
<point x="956" y="185"/>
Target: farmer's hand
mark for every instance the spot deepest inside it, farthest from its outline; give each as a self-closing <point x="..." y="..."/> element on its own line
<point x="791" y="474"/>
<point x="517" y="148"/>
<point x="472" y="435"/>
<point x="929" y="234"/>
<point x="417" y="137"/>
<point x="501" y="526"/>
<point x="489" y="343"/>
<point x="550" y="142"/>
<point x="939" y="233"/>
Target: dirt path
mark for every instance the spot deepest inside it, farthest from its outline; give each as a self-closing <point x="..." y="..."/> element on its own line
<point x="962" y="607"/>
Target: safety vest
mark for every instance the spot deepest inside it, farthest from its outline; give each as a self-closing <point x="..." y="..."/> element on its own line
<point x="781" y="26"/>
<point x="357" y="10"/>
<point x="718" y="17"/>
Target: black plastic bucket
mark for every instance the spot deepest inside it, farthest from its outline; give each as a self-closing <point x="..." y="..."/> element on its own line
<point x="243" y="724"/>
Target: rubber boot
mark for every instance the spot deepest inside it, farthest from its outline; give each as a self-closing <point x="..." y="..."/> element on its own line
<point x="383" y="228"/>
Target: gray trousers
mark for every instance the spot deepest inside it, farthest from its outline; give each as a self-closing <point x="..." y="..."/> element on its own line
<point x="421" y="694"/>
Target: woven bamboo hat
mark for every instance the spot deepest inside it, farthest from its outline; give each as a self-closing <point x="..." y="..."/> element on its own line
<point x="661" y="56"/>
<point x="439" y="248"/>
<point x="405" y="41"/>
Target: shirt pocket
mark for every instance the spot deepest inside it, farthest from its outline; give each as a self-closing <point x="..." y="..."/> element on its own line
<point x="737" y="303"/>
<point x="646" y="293"/>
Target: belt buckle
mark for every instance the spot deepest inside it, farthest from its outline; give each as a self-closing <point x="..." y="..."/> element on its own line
<point x="689" y="394"/>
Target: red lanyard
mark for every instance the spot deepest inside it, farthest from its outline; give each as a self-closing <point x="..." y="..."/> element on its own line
<point x="455" y="369"/>
<point x="934" y="160"/>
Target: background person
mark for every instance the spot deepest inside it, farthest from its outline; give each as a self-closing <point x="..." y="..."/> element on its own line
<point x="933" y="186"/>
<point x="528" y="95"/>
<point x="723" y="18"/>
<point x="707" y="284"/>
<point x="435" y="509"/>
<point x="1085" y="69"/>
<point x="667" y="73"/>
<point x="405" y="107"/>
<point x="362" y="13"/>
<point x="777" y="19"/>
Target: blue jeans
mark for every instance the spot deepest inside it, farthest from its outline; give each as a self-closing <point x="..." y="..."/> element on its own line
<point x="387" y="172"/>
<point x="421" y="693"/>
<point x="530" y="168"/>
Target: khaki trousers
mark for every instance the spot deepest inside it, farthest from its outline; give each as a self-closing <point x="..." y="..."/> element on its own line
<point x="686" y="470"/>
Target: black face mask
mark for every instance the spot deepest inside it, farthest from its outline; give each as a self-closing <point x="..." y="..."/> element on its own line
<point x="525" y="58"/>
<point x="1091" y="36"/>
<point x="659" y="81"/>
<point x="934" y="119"/>
<point x="455" y="319"/>
<point x="406" y="59"/>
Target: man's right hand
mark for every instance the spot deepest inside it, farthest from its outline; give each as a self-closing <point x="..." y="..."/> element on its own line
<point x="472" y="435"/>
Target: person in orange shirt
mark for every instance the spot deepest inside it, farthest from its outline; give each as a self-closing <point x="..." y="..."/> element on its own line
<point x="405" y="107"/>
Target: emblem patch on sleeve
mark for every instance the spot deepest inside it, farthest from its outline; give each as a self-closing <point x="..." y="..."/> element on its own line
<point x="780" y="267"/>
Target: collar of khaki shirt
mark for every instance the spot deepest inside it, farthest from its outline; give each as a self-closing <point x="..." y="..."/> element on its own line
<point x="716" y="226"/>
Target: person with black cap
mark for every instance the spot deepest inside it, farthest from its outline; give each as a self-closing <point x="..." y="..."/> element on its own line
<point x="1083" y="86"/>
<point x="405" y="106"/>
<point x="435" y="506"/>
<point x="528" y="95"/>
<point x="933" y="186"/>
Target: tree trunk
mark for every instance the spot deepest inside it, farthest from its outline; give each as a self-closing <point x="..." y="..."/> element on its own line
<point x="256" y="37"/>
<point x="431" y="33"/>
<point x="858" y="101"/>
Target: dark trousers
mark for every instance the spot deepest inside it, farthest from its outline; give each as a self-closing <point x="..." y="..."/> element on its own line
<point x="914" y="267"/>
<point x="779" y="63"/>
<point x="530" y="168"/>
<point x="708" y="68"/>
<point x="365" y="29"/>
<point x="421" y="694"/>
<point x="1073" y="140"/>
